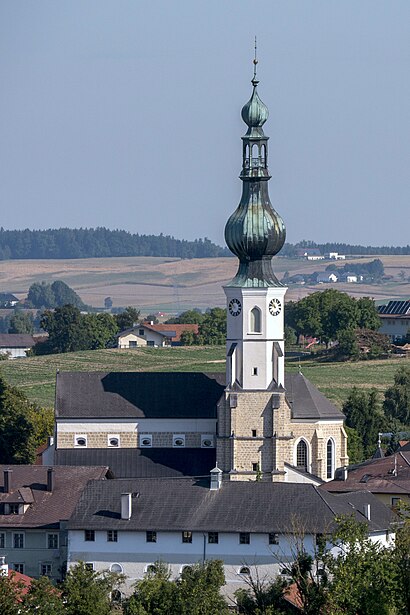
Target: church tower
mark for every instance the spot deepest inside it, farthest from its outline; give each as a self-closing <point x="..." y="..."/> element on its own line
<point x="255" y="298"/>
<point x="268" y="429"/>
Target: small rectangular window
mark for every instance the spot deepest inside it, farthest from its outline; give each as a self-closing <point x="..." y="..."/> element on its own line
<point x="133" y="344"/>
<point x="254" y="371"/>
<point x="2" y="540"/>
<point x="13" y="509"/>
<point x="141" y="332"/>
<point x="273" y="538"/>
<point x="17" y="567"/>
<point x="45" y="569"/>
<point x="18" y="541"/>
<point x="151" y="536"/>
<point x="52" y="541"/>
<point x="244" y="538"/>
<point x="187" y="537"/>
<point x="89" y="535"/>
<point x="112" y="536"/>
<point x="213" y="538"/>
<point x="255" y="467"/>
<point x="89" y="565"/>
<point x="253" y="433"/>
<point x="395" y="502"/>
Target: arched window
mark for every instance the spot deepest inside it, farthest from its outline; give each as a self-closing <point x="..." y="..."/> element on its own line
<point x="263" y="155"/>
<point x="116" y="568"/>
<point x="255" y="155"/>
<point x="255" y="320"/>
<point x="330" y="458"/>
<point x="302" y="455"/>
<point x="244" y="570"/>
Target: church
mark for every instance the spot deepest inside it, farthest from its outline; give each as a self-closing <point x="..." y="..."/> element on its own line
<point x="255" y="423"/>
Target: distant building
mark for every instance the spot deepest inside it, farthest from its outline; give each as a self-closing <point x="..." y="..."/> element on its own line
<point x="326" y="277"/>
<point x="153" y="335"/>
<point x="351" y="278"/>
<point x="388" y="478"/>
<point x="395" y="319"/>
<point x="15" y="345"/>
<point x="7" y="300"/>
<point x="311" y="254"/>
<point x="335" y="256"/>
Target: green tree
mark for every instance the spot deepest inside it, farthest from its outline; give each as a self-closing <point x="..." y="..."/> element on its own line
<point x="127" y="318"/>
<point x="42" y="420"/>
<point x="190" y="317"/>
<point x="199" y="589"/>
<point x="355" y="448"/>
<point x="363" y="413"/>
<point x="262" y="596"/>
<point x="156" y="594"/>
<point x="43" y="598"/>
<point x="64" y="295"/>
<point x="212" y="330"/>
<point x="363" y="576"/>
<point x="17" y="442"/>
<point x="21" y="322"/>
<point x="348" y="347"/>
<point x="188" y="338"/>
<point x="40" y="295"/>
<point x="290" y="336"/>
<point x="368" y="317"/>
<point x="97" y="331"/>
<point x="10" y="592"/>
<point x="64" y="331"/>
<point x="397" y="397"/>
<point x="151" y="318"/>
<point x="87" y="592"/>
<point x="401" y="556"/>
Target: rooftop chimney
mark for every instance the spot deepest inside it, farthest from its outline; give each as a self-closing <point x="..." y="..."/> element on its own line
<point x="126" y="506"/>
<point x="366" y="511"/>
<point x="216" y="478"/>
<point x="4" y="569"/>
<point x="50" y="479"/>
<point x="7" y="480"/>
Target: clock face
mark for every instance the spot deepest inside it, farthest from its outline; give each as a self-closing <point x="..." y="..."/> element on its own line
<point x="275" y="307"/>
<point x="235" y="307"/>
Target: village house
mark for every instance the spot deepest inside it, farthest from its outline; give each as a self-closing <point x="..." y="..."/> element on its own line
<point x="395" y="319"/>
<point x="153" y="335"/>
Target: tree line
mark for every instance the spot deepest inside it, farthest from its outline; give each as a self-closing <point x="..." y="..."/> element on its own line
<point x="365" y="578"/>
<point x="290" y="250"/>
<point x="100" y="243"/>
<point x="103" y="243"/>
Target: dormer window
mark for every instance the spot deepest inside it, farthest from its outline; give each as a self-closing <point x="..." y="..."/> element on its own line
<point x="13" y="509"/>
<point x="178" y="440"/>
<point x="80" y="440"/>
<point x="113" y="440"/>
<point x="145" y="440"/>
<point x="207" y="441"/>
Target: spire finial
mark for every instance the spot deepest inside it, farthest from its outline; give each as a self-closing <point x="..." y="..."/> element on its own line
<point x="255" y="63"/>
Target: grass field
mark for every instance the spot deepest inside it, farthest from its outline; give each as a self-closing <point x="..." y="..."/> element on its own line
<point x="35" y="376"/>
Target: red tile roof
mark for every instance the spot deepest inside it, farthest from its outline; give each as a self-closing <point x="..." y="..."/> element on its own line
<point x="22" y="579"/>
<point x="178" y="329"/>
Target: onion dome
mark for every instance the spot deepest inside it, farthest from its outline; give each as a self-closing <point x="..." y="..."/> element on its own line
<point x="255" y="112"/>
<point x="255" y="232"/>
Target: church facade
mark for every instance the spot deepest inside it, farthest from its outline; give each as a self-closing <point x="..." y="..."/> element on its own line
<point x="258" y="423"/>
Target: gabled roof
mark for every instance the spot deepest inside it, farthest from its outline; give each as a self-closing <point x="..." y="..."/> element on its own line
<point x="143" y="462"/>
<point x="138" y="394"/>
<point x="238" y="506"/>
<point x="46" y="509"/>
<point x="306" y="401"/>
<point x="16" y="340"/>
<point x="4" y="297"/>
<point x="171" y="331"/>
<point x="389" y="475"/>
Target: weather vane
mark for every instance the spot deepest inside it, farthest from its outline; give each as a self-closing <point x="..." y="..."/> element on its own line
<point x="255" y="62"/>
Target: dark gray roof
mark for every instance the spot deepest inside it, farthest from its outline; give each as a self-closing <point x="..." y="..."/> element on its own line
<point x="143" y="463"/>
<point x="238" y="506"/>
<point x="47" y="509"/>
<point x="306" y="401"/>
<point x="138" y="394"/>
<point x="16" y="340"/>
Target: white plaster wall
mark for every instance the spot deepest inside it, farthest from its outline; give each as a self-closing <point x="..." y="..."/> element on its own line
<point x="15" y="353"/>
<point x="203" y="426"/>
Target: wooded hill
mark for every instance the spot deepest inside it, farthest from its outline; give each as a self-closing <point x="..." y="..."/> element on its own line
<point x="102" y="242"/>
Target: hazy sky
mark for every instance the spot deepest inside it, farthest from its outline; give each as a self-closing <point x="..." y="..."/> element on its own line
<point x="126" y="114"/>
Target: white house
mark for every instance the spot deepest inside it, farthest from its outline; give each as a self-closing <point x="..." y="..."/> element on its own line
<point x="16" y="345"/>
<point x="335" y="256"/>
<point x="395" y="319"/>
<point x="326" y="277"/>
<point x="153" y="335"/>
<point x="247" y="525"/>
